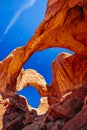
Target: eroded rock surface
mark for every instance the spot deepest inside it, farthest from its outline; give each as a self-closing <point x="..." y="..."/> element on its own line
<point x="69" y="72"/>
<point x="64" y="103"/>
<point x="31" y="78"/>
<point x="79" y="121"/>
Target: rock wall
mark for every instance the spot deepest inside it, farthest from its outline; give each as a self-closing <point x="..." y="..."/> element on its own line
<point x="69" y="72"/>
<point x="64" y="25"/>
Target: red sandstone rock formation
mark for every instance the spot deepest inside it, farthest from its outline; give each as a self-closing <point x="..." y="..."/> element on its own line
<point x="64" y="25"/>
<point x="69" y="72"/>
<point x="78" y="122"/>
<point x="31" y="78"/>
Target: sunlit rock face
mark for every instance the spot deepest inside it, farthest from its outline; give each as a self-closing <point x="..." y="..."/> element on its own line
<point x="30" y="77"/>
<point x="64" y="26"/>
<point x="64" y="101"/>
<point x="69" y="72"/>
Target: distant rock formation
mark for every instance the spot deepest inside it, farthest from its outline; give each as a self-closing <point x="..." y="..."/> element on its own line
<point x="64" y="102"/>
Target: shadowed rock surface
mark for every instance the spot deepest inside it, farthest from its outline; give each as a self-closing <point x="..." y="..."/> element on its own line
<point x="64" y="102"/>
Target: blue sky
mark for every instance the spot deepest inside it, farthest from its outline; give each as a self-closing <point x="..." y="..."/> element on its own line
<point x="18" y="21"/>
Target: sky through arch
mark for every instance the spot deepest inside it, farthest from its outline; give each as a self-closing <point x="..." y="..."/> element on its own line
<point x="19" y="19"/>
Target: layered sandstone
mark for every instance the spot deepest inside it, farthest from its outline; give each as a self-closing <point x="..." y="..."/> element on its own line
<point x="30" y="77"/>
<point x="65" y="26"/>
<point x="69" y="72"/>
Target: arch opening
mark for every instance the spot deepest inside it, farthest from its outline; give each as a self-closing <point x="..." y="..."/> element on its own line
<point x="41" y="62"/>
<point x="32" y="95"/>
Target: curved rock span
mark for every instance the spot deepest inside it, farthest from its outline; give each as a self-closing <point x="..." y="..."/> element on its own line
<point x="65" y="26"/>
